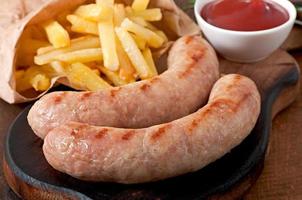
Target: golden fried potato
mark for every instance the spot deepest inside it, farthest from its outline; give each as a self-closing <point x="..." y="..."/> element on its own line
<point x="82" y="77"/>
<point x="97" y="45"/>
<point x="153" y="14"/>
<point x="126" y="71"/>
<point x="119" y="14"/>
<point x="83" y="56"/>
<point x="140" y="5"/>
<point x="81" y="25"/>
<point x="49" y="53"/>
<point x="113" y="77"/>
<point x="151" y="37"/>
<point x="56" y="34"/>
<point x="149" y="59"/>
<point x="37" y="77"/>
<point x="133" y="52"/>
<point x="94" y="12"/>
<point x="107" y="38"/>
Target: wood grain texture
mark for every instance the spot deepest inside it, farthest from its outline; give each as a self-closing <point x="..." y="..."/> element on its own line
<point x="294" y="40"/>
<point x="281" y="178"/>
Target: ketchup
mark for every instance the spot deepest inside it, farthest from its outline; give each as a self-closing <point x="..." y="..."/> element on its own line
<point x="244" y="15"/>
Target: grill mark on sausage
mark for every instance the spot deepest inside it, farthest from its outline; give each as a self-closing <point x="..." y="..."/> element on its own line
<point x="85" y="95"/>
<point x="237" y="78"/>
<point x="222" y="102"/>
<point x="197" y="120"/>
<point x="193" y="125"/>
<point x="101" y="134"/>
<point x="160" y="132"/>
<point x="232" y="106"/>
<point x="198" y="55"/>
<point x="145" y="87"/>
<point x="59" y="97"/>
<point x="195" y="57"/>
<point x="128" y="135"/>
<point x="188" y="39"/>
<point x="115" y="91"/>
<point x="77" y="130"/>
<point x="243" y="99"/>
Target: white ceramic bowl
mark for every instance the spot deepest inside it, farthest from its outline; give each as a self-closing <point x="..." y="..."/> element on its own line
<point x="250" y="46"/>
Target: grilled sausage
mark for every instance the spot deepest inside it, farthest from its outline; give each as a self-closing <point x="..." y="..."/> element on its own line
<point x="181" y="90"/>
<point x="141" y="155"/>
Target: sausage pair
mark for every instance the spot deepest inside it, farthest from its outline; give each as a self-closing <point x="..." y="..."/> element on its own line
<point x="78" y="143"/>
<point x="185" y="145"/>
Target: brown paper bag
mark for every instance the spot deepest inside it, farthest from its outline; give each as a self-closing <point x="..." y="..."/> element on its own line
<point x="15" y="15"/>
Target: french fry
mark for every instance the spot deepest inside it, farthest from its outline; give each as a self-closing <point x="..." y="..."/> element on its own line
<point x="119" y="14"/>
<point x="82" y="77"/>
<point x="48" y="54"/>
<point x="126" y="71"/>
<point x="40" y="82"/>
<point x="97" y="72"/>
<point x="94" y="65"/>
<point x="107" y="39"/>
<point x="85" y="42"/>
<point x="56" y="34"/>
<point x="144" y="23"/>
<point x="153" y="14"/>
<point x="94" y="12"/>
<point x="81" y="25"/>
<point x="108" y="2"/>
<point x="47" y="49"/>
<point x="31" y="79"/>
<point x="133" y="52"/>
<point x="59" y="67"/>
<point x="114" y="51"/>
<point x="141" y="43"/>
<point x="140" y="5"/>
<point x="149" y="59"/>
<point x="113" y="77"/>
<point x="151" y="37"/>
<point x="162" y="35"/>
<point x="83" y="56"/>
<point x="129" y="11"/>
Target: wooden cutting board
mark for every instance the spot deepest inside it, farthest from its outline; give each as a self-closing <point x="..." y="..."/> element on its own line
<point x="277" y="78"/>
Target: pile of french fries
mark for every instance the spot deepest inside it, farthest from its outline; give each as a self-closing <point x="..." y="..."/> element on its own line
<point x="96" y="46"/>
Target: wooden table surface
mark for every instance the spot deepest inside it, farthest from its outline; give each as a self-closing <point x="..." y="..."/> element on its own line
<point x="281" y="178"/>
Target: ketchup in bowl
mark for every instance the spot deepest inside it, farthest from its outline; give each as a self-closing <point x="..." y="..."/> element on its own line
<point x="244" y="15"/>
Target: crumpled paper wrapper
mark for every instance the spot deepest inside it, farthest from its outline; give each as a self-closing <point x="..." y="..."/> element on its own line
<point x="15" y="15"/>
